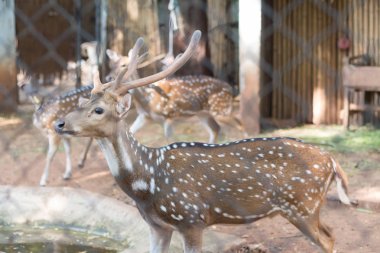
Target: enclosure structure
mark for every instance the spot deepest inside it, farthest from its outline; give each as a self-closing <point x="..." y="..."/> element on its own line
<point x="305" y="43"/>
<point x="301" y="45"/>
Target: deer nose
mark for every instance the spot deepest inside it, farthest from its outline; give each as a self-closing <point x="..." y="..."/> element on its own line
<point x="59" y="125"/>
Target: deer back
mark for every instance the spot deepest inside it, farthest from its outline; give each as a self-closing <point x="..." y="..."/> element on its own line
<point x="187" y="95"/>
<point x="241" y="181"/>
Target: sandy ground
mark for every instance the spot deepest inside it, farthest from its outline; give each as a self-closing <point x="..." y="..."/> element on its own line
<point x="22" y="159"/>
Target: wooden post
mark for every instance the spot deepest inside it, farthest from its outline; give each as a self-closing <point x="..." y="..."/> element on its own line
<point x="249" y="47"/>
<point x="8" y="87"/>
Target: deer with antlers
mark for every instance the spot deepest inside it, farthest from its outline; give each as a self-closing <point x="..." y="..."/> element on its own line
<point x="47" y="112"/>
<point x="171" y="99"/>
<point x="188" y="186"/>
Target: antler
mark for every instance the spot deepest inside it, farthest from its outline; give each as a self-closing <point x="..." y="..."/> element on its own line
<point x="127" y="71"/>
<point x="179" y="61"/>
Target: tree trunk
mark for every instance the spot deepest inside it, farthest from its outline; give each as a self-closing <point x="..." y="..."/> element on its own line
<point x="131" y="19"/>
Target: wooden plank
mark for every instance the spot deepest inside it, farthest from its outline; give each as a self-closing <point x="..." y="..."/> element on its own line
<point x="285" y="103"/>
<point x="216" y="15"/>
<point x="249" y="46"/>
<point x="276" y="62"/>
<point x="342" y="5"/>
<point x="8" y="87"/>
<point x="312" y="74"/>
<point x="301" y="76"/>
<point x="364" y="107"/>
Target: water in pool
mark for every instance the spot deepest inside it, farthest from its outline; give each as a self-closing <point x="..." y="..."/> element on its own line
<point x="48" y="240"/>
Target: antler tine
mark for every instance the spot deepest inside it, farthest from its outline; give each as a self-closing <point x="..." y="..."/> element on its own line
<point x="100" y="87"/>
<point x="179" y="62"/>
<point x="132" y="65"/>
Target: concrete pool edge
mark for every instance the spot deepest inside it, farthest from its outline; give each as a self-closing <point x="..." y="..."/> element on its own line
<point x="88" y="211"/>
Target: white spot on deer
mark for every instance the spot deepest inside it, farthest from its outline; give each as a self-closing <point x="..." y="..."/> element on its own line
<point x="221" y="155"/>
<point x="175" y="189"/>
<point x="139" y="185"/>
<point x="172" y="157"/>
<point x="163" y="208"/>
<point x="316" y="166"/>
<point x="178" y="217"/>
<point x="152" y="185"/>
<point x="217" y="210"/>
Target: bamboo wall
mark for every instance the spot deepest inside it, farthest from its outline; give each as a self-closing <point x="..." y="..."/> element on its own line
<point x="306" y="77"/>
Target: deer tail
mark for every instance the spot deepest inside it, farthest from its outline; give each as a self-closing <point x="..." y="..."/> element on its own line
<point x="342" y="185"/>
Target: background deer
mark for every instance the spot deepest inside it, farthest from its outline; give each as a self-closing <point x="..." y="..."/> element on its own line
<point x="187" y="186"/>
<point x="47" y="111"/>
<point x="175" y="98"/>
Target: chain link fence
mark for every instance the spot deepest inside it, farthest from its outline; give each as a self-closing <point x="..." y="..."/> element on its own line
<point x="303" y="46"/>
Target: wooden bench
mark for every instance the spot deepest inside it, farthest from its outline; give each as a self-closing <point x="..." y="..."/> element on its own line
<point x="360" y="79"/>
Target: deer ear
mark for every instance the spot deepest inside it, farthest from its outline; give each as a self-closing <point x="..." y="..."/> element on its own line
<point x="82" y="101"/>
<point x="112" y="55"/>
<point x="124" y="104"/>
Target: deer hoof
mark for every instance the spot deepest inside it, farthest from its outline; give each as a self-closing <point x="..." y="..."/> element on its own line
<point x="80" y="165"/>
<point x="42" y="183"/>
<point x="67" y="176"/>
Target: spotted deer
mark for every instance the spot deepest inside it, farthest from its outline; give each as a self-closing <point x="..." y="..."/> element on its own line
<point x="171" y="99"/>
<point x="47" y="111"/>
<point x="188" y="186"/>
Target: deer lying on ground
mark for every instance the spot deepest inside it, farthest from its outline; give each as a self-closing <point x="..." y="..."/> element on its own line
<point x="171" y="99"/>
<point x="187" y="186"/>
<point x="47" y="112"/>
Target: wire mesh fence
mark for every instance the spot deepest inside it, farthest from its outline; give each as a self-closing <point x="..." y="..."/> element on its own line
<point x="303" y="46"/>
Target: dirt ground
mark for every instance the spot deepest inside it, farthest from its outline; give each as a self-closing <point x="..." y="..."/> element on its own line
<point x="22" y="159"/>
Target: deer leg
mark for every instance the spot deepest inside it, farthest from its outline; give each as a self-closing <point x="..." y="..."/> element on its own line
<point x="139" y="122"/>
<point x="159" y="239"/>
<point x="315" y="231"/>
<point x="84" y="155"/>
<point x="211" y="125"/>
<point x="66" y="144"/>
<point x="52" y="149"/>
<point x="192" y="240"/>
<point x="168" y="128"/>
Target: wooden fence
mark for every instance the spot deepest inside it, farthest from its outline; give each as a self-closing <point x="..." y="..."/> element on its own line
<point x="305" y="83"/>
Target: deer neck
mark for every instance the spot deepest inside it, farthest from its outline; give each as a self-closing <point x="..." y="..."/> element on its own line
<point x="131" y="163"/>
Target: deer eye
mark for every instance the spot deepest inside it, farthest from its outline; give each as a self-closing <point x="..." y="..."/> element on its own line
<point x="99" y="110"/>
